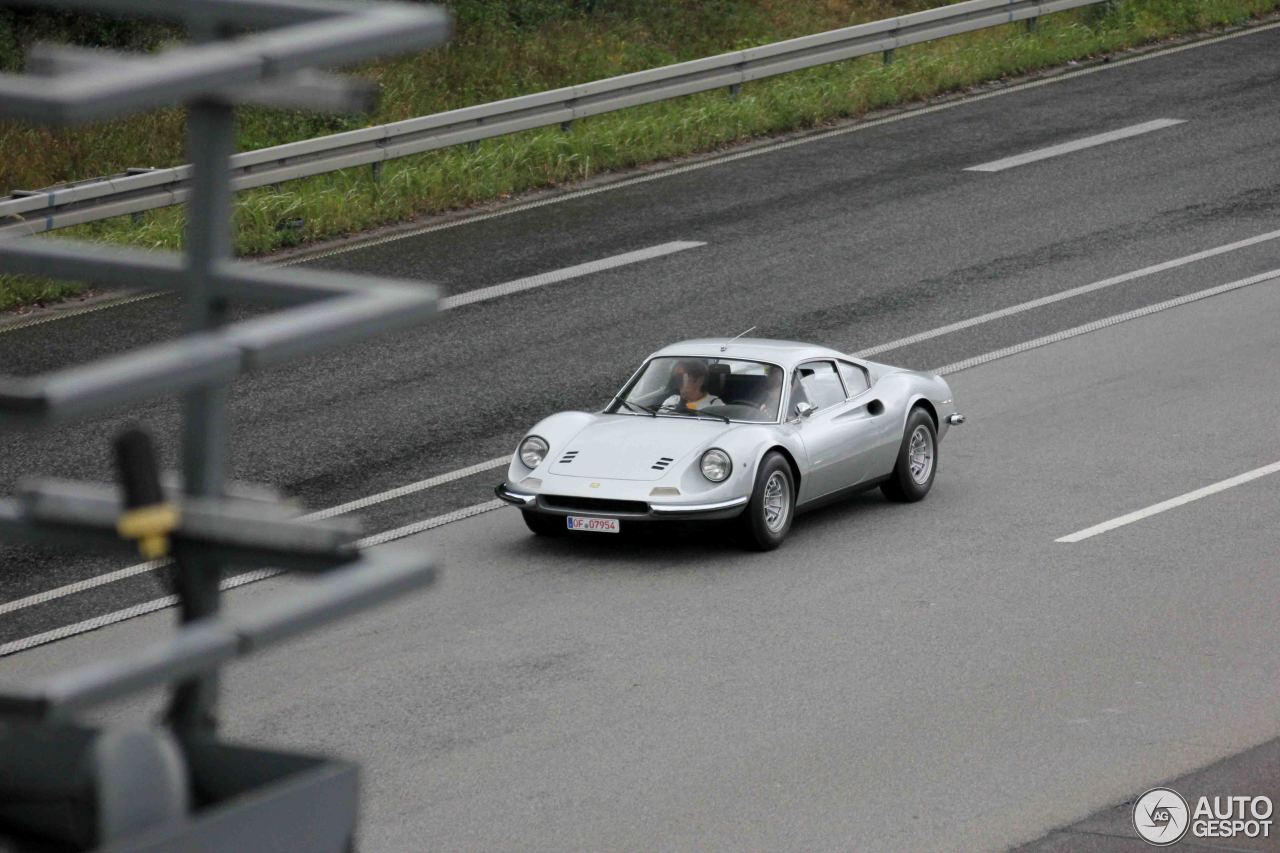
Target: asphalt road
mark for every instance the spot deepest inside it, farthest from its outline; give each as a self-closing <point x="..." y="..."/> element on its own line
<point x="808" y="706"/>
<point x="850" y="241"/>
<point x="939" y="676"/>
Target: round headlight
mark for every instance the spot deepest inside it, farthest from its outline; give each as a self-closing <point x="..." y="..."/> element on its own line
<point x="532" y="451"/>
<point x="716" y="465"/>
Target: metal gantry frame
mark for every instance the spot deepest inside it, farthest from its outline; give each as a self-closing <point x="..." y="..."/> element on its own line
<point x="177" y="786"/>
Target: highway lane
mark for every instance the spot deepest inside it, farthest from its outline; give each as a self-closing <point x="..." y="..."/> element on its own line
<point x="846" y="217"/>
<point x="937" y="676"/>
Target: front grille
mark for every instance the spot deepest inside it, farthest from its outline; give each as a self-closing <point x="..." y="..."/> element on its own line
<point x="563" y="502"/>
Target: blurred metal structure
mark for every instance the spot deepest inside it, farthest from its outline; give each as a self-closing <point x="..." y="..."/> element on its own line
<point x="33" y="211"/>
<point x="178" y="787"/>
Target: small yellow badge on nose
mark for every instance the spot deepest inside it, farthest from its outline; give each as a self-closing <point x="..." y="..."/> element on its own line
<point x="595" y="485"/>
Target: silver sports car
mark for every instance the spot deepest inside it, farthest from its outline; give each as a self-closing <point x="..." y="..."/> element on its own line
<point x="745" y="429"/>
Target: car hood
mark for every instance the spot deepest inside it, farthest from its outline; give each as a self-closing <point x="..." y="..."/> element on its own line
<point x="624" y="447"/>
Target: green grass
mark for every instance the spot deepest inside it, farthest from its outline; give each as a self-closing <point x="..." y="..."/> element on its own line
<point x="507" y="54"/>
<point x="19" y="292"/>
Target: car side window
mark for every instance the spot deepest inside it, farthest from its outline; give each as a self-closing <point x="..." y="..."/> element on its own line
<point x="820" y="384"/>
<point x="855" y="378"/>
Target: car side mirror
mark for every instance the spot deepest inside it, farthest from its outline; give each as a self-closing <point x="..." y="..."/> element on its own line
<point x="804" y="409"/>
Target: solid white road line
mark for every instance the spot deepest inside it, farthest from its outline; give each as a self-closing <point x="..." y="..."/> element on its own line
<point x="1066" y="294"/>
<point x="543" y="279"/>
<point x="231" y="583"/>
<point x="401" y="491"/>
<point x="151" y="565"/>
<point x="1163" y="506"/>
<point x="956" y="366"/>
<point x="1075" y="145"/>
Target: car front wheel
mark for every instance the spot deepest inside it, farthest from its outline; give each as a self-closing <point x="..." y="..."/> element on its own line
<point x="917" y="464"/>
<point x="767" y="518"/>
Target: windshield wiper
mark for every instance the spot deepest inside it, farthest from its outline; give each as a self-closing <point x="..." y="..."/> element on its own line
<point x="695" y="412"/>
<point x="639" y="408"/>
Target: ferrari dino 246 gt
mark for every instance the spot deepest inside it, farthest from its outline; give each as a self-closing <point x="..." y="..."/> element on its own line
<point x="748" y="430"/>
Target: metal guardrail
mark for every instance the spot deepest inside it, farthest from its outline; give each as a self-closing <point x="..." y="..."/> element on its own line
<point x="31" y="212"/>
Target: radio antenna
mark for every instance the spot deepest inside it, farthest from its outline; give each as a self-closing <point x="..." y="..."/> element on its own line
<point x="724" y="346"/>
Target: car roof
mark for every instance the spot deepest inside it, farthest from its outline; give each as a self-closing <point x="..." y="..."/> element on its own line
<point x="785" y="353"/>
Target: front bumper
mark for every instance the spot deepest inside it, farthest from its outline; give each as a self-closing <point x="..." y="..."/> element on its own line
<point x="563" y="505"/>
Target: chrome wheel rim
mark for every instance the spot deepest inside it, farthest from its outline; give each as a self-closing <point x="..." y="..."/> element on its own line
<point x="920" y="455"/>
<point x="777" y="501"/>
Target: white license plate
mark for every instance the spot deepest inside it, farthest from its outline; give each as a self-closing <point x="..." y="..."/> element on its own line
<point x="594" y="525"/>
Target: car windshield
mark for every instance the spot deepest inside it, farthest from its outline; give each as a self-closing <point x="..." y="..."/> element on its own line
<point x="677" y="386"/>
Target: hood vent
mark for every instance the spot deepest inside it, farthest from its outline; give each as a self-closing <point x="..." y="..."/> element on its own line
<point x="568" y="457"/>
<point x="662" y="463"/>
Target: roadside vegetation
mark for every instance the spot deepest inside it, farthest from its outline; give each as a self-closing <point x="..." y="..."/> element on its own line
<point x="505" y="48"/>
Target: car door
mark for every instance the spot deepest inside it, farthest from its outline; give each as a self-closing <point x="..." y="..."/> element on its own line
<point x="835" y="433"/>
<point x="878" y="443"/>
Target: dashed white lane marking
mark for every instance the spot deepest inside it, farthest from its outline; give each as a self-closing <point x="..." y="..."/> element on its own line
<point x="1067" y="294"/>
<point x="1172" y="503"/>
<point x="543" y="279"/>
<point x="449" y="302"/>
<point x="1076" y="145"/>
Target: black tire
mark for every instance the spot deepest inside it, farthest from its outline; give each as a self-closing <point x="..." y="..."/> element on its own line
<point x="907" y="484"/>
<point x="755" y="530"/>
<point x="544" y="525"/>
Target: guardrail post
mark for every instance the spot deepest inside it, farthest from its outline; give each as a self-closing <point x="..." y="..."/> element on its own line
<point x="734" y="89"/>
<point x="888" y="56"/>
<point x="566" y="126"/>
<point x="376" y="168"/>
<point x="1031" y="24"/>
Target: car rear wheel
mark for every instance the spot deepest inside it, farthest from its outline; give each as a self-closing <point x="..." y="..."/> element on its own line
<point x="917" y="464"/>
<point x="765" y="522"/>
<point x="544" y="525"/>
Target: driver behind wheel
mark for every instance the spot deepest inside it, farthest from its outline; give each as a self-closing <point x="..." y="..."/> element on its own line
<point x="689" y="375"/>
<point x="767" y="398"/>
